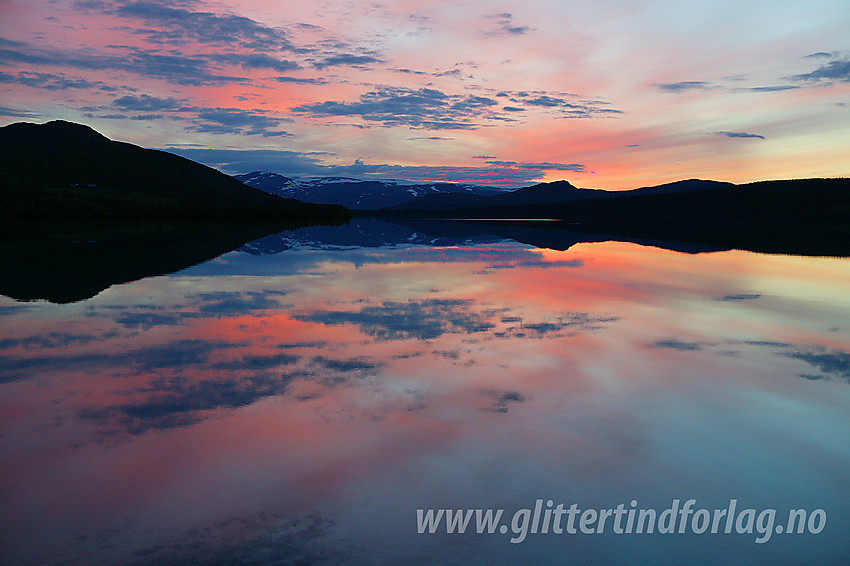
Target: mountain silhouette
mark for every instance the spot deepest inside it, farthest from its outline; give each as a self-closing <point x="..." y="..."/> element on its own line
<point x="543" y="193"/>
<point x="65" y="169"/>
<point x="806" y="216"/>
<point x="684" y="186"/>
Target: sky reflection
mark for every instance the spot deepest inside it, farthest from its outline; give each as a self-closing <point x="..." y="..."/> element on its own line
<point x="299" y="406"/>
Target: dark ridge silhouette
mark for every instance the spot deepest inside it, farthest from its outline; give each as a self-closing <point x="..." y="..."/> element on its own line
<point x="65" y="169"/>
<point x="556" y="192"/>
<point x="677" y="187"/>
<point x="559" y="191"/>
<point x="71" y="260"/>
<point x="805" y="216"/>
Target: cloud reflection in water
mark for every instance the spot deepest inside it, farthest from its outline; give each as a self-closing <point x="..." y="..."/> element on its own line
<point x="316" y="397"/>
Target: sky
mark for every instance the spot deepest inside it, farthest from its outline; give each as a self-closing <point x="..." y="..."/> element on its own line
<point x="611" y="94"/>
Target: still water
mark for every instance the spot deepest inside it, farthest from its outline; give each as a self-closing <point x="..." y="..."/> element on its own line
<point x="296" y="401"/>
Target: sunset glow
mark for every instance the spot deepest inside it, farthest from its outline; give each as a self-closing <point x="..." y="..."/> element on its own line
<point x="608" y="94"/>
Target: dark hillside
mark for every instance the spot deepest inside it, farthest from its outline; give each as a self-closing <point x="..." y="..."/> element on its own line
<point x="65" y="169"/>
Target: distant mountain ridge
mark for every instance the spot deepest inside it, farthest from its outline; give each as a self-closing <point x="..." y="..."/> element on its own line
<point x="61" y="168"/>
<point x="807" y="216"/>
<point x="557" y="192"/>
<point x="682" y="201"/>
<point x="376" y="195"/>
<point x="356" y="194"/>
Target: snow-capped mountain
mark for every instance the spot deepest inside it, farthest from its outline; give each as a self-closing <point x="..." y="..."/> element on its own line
<point x="354" y="193"/>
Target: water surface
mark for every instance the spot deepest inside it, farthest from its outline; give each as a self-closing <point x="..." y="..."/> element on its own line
<point x="297" y="400"/>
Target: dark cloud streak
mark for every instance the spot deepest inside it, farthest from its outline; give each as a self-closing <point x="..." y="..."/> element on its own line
<point x="683" y="86"/>
<point x="255" y="61"/>
<point x="833" y="71"/>
<point x="146" y="102"/>
<point x="739" y="135"/>
<point x="505" y="26"/>
<point x="348" y="59"/>
<point x="49" y="81"/>
<point x="432" y="109"/>
<point x="179" y="25"/>
<point x="179" y="69"/>
<point x="399" y="106"/>
<point x="215" y="120"/>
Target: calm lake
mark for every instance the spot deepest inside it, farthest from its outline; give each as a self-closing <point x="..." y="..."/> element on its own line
<point x="310" y="396"/>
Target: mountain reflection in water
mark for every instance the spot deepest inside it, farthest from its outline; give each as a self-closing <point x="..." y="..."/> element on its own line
<point x="298" y="399"/>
